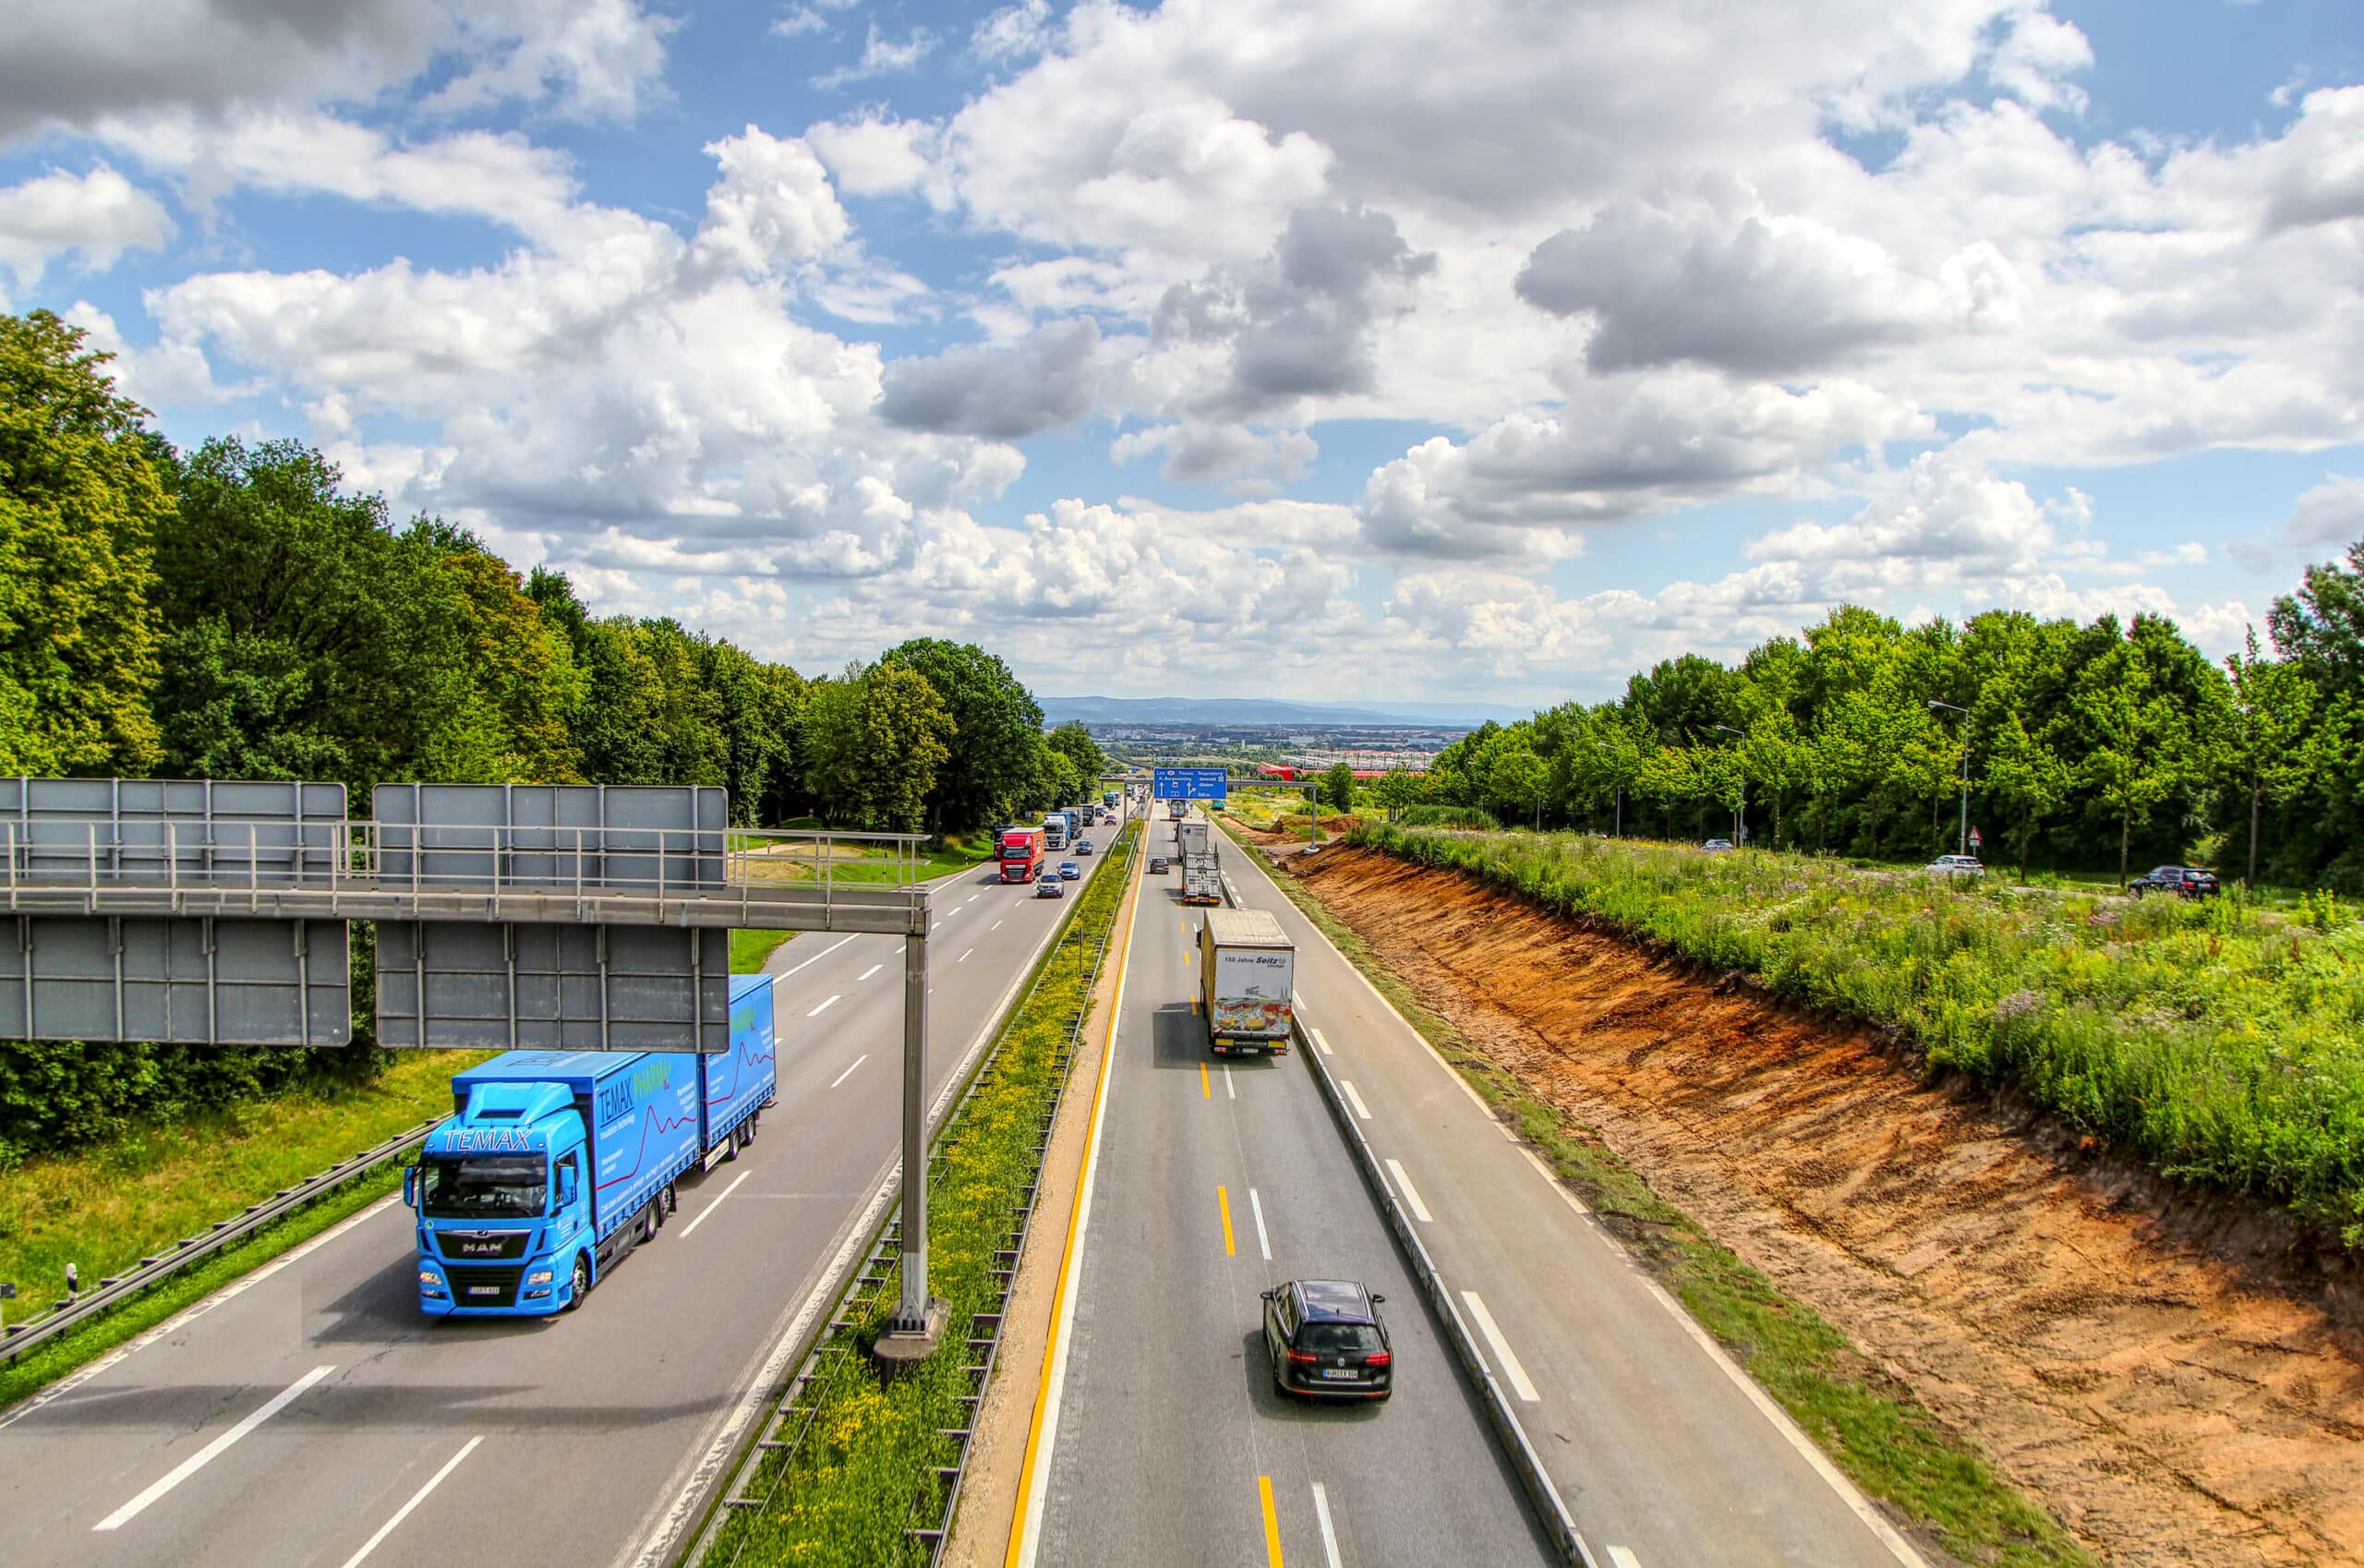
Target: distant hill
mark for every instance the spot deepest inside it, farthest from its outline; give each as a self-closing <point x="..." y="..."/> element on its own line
<point x="1271" y="710"/>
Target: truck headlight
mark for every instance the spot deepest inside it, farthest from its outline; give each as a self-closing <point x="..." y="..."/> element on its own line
<point x="540" y="1277"/>
<point x="430" y="1283"/>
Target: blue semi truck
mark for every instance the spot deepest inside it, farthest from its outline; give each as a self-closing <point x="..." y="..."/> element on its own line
<point x="556" y="1164"/>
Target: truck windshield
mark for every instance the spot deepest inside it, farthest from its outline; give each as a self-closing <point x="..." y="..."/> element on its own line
<point x="504" y="1189"/>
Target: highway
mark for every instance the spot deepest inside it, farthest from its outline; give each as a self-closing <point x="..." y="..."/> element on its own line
<point x="1215" y="1181"/>
<point x="310" y="1416"/>
<point x="1666" y="1455"/>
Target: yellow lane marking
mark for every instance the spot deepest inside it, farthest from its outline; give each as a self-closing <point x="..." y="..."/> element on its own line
<point x="1206" y="1085"/>
<point x="1271" y="1523"/>
<point x="1017" y="1551"/>
<point x="1222" y="1197"/>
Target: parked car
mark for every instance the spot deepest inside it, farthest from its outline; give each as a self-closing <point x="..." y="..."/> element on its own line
<point x="1069" y="871"/>
<point x="1048" y="885"/>
<point x="2183" y="881"/>
<point x="1327" y="1341"/>
<point x="1083" y="846"/>
<point x="1956" y="865"/>
<point x="1717" y="846"/>
<point x="1157" y="866"/>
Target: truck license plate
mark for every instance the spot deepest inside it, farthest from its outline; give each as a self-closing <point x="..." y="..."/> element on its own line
<point x="484" y="1290"/>
<point x="1340" y="1374"/>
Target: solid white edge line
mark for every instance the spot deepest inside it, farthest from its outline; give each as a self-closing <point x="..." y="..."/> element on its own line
<point x="661" y="1527"/>
<point x="688" y="1229"/>
<point x="1897" y="1546"/>
<point x="1520" y="1383"/>
<point x="1230" y="1089"/>
<point x="814" y="959"/>
<point x="1323" y="1040"/>
<point x="1360" y="1109"/>
<point x="823" y="1006"/>
<point x="1570" y="1199"/>
<point x="848" y="1072"/>
<point x="866" y="974"/>
<point x="415" y="1498"/>
<point x="1411" y="1193"/>
<point x="174" y="1326"/>
<point x="1320" y="1512"/>
<point x="210" y="1452"/>
<point x="1038" y="1486"/>
<point x="1263" y="1242"/>
<point x="1621" y="1558"/>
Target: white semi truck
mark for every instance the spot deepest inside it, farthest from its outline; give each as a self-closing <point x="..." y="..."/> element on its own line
<point x="1201" y="866"/>
<point x="1246" y="980"/>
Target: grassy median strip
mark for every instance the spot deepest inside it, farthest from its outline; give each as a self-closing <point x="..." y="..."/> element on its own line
<point x="104" y="1209"/>
<point x="1887" y="1442"/>
<point x="2221" y="1041"/>
<point x="865" y="1471"/>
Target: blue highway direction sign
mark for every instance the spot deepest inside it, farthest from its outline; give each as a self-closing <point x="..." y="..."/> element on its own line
<point x="1189" y="784"/>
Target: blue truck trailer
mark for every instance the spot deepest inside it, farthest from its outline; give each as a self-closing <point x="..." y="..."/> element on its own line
<point x="556" y="1164"/>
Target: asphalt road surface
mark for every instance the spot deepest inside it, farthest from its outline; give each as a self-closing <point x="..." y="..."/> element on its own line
<point x="1171" y="1447"/>
<point x="311" y="1416"/>
<point x="1666" y="1456"/>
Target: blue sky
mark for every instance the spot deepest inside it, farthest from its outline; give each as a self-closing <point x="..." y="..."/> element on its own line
<point x="1179" y="347"/>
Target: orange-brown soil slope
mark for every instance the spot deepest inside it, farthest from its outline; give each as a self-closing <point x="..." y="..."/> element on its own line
<point x="2177" y="1378"/>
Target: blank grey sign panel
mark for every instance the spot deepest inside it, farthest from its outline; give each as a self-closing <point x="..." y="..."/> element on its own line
<point x="178" y="980"/>
<point x="463" y="985"/>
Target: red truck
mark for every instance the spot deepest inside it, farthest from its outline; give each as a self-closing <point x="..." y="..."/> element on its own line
<point x="1021" y="854"/>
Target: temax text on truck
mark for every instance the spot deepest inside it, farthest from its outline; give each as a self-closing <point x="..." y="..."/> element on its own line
<point x="1247" y="975"/>
<point x="558" y="1163"/>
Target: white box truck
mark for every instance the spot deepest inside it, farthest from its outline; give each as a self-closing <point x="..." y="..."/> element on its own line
<point x="1247" y="976"/>
<point x="1201" y="865"/>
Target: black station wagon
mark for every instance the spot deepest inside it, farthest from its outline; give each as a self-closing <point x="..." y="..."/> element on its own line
<point x="1327" y="1341"/>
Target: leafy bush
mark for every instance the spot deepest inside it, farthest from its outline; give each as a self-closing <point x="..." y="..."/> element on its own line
<point x="2221" y="1041"/>
<point x="1447" y="817"/>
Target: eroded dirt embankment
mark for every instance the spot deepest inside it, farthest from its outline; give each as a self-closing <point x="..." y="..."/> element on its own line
<point x="2173" y="1377"/>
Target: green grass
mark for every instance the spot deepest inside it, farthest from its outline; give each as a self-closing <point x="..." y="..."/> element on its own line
<point x="104" y="1209"/>
<point x="50" y="1362"/>
<point x="2223" y="1041"/>
<point x="749" y="949"/>
<point x="1888" y="1445"/>
<point x="866" y="1472"/>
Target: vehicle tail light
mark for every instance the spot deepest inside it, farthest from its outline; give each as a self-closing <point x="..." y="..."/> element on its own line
<point x="1380" y="1358"/>
<point x="1303" y="1357"/>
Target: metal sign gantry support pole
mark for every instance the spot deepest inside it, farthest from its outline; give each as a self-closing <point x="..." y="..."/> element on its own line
<point x="918" y="1323"/>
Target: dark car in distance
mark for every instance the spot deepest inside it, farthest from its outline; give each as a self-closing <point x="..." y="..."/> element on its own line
<point x="1083" y="846"/>
<point x="2183" y="881"/>
<point x="1327" y="1340"/>
<point x="1157" y="865"/>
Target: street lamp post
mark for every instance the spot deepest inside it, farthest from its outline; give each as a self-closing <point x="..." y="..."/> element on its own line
<point x="1963" y="841"/>
<point x="1740" y="818"/>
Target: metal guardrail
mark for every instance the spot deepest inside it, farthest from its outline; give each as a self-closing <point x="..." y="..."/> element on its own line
<point x="115" y="1290"/>
<point x="364" y="868"/>
<point x="1551" y="1509"/>
<point x="833" y="1332"/>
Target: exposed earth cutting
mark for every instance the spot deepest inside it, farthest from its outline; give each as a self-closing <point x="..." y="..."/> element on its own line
<point x="2180" y="1379"/>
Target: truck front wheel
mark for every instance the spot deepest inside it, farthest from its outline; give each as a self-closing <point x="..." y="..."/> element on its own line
<point x="579" y="1286"/>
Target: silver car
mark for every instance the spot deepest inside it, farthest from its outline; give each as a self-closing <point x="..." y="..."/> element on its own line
<point x="1954" y="866"/>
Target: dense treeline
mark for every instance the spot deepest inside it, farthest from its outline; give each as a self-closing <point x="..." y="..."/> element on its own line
<point x="2104" y="746"/>
<point x="236" y="612"/>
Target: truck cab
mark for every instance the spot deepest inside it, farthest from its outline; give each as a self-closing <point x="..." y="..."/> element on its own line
<point x="554" y="1165"/>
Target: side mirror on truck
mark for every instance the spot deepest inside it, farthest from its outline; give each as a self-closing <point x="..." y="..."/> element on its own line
<point x="566" y="1188"/>
<point x="410" y="1187"/>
